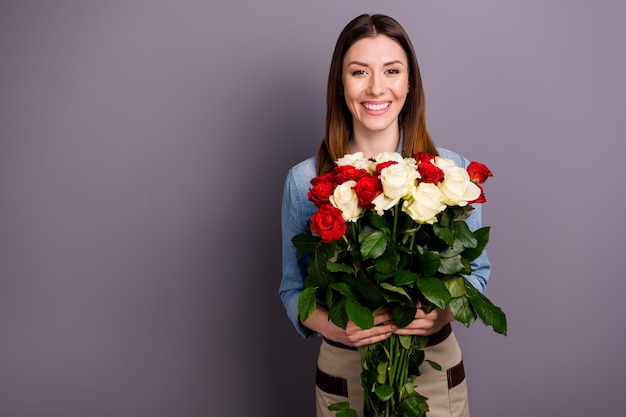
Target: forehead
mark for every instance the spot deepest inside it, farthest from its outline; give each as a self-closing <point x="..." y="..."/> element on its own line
<point x="374" y="49"/>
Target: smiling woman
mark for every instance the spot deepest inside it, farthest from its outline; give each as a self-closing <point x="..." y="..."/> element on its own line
<point x="375" y="106"/>
<point x="376" y="82"/>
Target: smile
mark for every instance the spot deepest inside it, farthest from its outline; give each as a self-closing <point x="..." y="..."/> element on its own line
<point x="376" y="107"/>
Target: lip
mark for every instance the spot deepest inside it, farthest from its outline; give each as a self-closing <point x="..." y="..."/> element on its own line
<point x="376" y="108"/>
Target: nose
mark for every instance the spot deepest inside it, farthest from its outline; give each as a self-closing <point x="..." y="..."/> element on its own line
<point x="376" y="86"/>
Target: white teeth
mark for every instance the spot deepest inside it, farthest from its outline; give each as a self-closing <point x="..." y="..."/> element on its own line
<point x="370" y="106"/>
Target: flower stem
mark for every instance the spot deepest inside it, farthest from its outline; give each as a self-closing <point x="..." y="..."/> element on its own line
<point x="395" y="223"/>
<point x="413" y="236"/>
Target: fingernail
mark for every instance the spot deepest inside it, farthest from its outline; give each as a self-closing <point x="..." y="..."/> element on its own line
<point x="393" y="327"/>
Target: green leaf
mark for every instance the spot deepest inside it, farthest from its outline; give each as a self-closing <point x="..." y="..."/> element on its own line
<point x="403" y="313"/>
<point x="456" y="286"/>
<point x="384" y="392"/>
<point x="316" y="269"/>
<point x="451" y="266"/>
<point x="383" y="277"/>
<point x="429" y="263"/>
<point x="446" y="217"/>
<point x="306" y="242"/>
<point x="435" y="291"/>
<point x="407" y="389"/>
<point x="381" y="372"/>
<point x="339" y="267"/>
<point x="462" y="213"/>
<point x="344" y="289"/>
<point x="388" y="262"/>
<point x="345" y="405"/>
<point x="337" y="313"/>
<point x="463" y="234"/>
<point x="482" y="238"/>
<point x="404" y="277"/>
<point x="342" y="409"/>
<point x="456" y="249"/>
<point x="373" y="243"/>
<point x="418" y="356"/>
<point x="434" y="365"/>
<point x="462" y="310"/>
<point x="413" y="406"/>
<point x="360" y="315"/>
<point x="370" y="291"/>
<point x="488" y="313"/>
<point x="307" y="303"/>
<point x="398" y="290"/>
<point x="330" y="295"/>
<point x="378" y="222"/>
<point x="444" y="233"/>
<point x="406" y="341"/>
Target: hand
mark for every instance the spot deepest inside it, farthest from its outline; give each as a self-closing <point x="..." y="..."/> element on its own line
<point x="426" y="324"/>
<point x="354" y="336"/>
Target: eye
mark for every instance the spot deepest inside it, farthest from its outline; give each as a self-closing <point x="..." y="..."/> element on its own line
<point x="358" y="72"/>
<point x="393" y="71"/>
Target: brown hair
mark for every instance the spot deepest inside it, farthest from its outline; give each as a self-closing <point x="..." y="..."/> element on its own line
<point x="338" y="126"/>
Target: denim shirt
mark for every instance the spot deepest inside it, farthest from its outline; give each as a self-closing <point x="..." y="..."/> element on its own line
<point x="296" y="212"/>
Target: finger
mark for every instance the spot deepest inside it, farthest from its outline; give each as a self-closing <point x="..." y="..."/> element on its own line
<point x="376" y="333"/>
<point x="382" y="318"/>
<point x="373" y="339"/>
<point x="407" y="331"/>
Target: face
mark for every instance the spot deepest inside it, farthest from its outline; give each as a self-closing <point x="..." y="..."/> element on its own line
<point x="375" y="79"/>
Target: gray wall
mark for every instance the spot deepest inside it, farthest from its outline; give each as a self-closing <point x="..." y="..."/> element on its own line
<point x="143" y="146"/>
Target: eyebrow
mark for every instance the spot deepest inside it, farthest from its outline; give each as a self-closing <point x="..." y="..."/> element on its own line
<point x="363" y="64"/>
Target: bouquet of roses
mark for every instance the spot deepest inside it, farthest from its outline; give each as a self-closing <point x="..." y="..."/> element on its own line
<point x="389" y="233"/>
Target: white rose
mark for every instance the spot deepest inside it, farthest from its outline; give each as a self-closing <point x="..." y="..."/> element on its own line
<point x="344" y="198"/>
<point x="382" y="203"/>
<point x="389" y="156"/>
<point x="425" y="203"/>
<point x="457" y="189"/>
<point x="444" y="164"/>
<point x="357" y="160"/>
<point x="397" y="180"/>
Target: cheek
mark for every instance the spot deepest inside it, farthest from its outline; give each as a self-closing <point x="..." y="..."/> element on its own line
<point x="401" y="88"/>
<point x="350" y="93"/>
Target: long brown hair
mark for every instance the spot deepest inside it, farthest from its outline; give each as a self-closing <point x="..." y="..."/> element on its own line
<point x="338" y="126"/>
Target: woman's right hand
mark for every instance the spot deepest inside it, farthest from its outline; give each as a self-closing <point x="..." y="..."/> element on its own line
<point x="352" y="335"/>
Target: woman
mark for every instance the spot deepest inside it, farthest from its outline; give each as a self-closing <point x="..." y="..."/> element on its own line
<point x="375" y="103"/>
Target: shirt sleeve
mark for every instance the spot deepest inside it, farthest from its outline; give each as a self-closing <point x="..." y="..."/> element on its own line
<point x="293" y="222"/>
<point x="481" y="267"/>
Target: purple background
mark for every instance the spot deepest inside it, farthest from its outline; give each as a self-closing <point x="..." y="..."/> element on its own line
<point x="143" y="147"/>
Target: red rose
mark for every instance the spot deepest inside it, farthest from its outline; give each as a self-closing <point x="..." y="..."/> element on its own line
<point x="323" y="187"/>
<point x="423" y="157"/>
<point x="383" y="165"/>
<point x="329" y="176"/>
<point x="481" y="198"/>
<point x="478" y="172"/>
<point x="430" y="173"/>
<point x="367" y="189"/>
<point x="345" y="173"/>
<point x="328" y="223"/>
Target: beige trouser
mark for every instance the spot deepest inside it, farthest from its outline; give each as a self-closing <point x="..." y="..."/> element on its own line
<point x="446" y="390"/>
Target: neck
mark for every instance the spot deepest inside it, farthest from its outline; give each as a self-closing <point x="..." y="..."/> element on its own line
<point x="373" y="143"/>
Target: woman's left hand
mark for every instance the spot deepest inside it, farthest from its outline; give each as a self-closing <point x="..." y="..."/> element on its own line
<point x="426" y="324"/>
